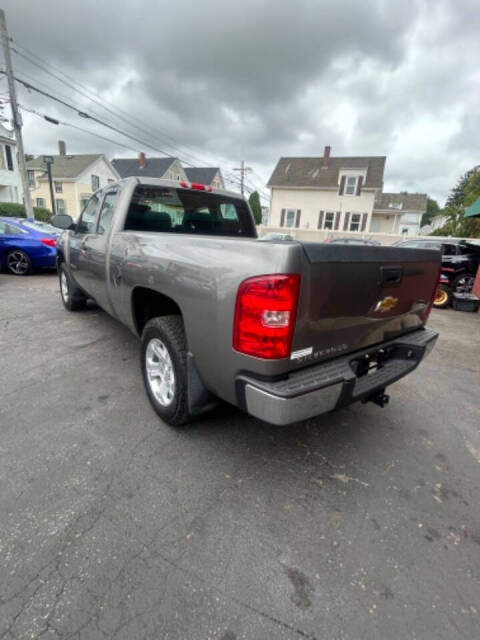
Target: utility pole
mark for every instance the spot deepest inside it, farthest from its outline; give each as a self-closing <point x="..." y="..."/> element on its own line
<point x="16" y="117"/>
<point x="243" y="170"/>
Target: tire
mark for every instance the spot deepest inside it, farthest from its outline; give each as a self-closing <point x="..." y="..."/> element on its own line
<point x="463" y="283"/>
<point x="164" y="368"/>
<point x="443" y="297"/>
<point x="73" y="298"/>
<point x="18" y="263"/>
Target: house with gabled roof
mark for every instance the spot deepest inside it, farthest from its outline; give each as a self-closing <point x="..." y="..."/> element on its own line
<point x="340" y="193"/>
<point x="75" y="178"/>
<point x="398" y="213"/>
<point x="168" y="168"/>
<point x="210" y="176"/>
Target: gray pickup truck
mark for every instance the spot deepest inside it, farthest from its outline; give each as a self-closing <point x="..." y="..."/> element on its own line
<point x="282" y="329"/>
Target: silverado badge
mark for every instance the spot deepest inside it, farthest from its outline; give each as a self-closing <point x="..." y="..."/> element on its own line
<point x="386" y="304"/>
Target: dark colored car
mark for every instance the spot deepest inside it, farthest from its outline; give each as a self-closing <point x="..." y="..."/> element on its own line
<point x="367" y="241"/>
<point x="460" y="262"/>
<point x="26" y="245"/>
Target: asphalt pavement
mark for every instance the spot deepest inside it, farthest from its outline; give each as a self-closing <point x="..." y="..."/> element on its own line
<point x="361" y="524"/>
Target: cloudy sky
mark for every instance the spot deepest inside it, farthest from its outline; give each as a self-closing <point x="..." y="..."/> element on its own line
<point x="215" y="82"/>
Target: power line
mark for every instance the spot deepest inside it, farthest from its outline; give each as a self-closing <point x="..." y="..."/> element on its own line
<point x="84" y="91"/>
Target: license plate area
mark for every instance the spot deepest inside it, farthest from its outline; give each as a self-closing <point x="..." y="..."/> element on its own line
<point x="369" y="363"/>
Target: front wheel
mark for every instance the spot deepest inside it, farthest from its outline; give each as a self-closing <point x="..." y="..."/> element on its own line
<point x="164" y="368"/>
<point x="19" y="263"/>
<point x="72" y="297"/>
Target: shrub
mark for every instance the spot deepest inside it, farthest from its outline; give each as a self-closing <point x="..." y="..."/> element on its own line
<point x="14" y="210"/>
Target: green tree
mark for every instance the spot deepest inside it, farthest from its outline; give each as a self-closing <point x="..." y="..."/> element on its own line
<point x="463" y="194"/>
<point x="255" y="206"/>
<point x="432" y="210"/>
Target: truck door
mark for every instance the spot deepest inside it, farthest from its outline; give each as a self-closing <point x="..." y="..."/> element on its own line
<point x="96" y="245"/>
<point x="79" y="241"/>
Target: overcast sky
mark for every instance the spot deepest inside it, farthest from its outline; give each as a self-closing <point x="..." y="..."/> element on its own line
<point x="223" y="81"/>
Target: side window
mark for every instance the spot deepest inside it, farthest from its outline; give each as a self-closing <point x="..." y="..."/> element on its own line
<point x="86" y="224"/>
<point x="3" y="228"/>
<point x="106" y="212"/>
<point x="13" y="231"/>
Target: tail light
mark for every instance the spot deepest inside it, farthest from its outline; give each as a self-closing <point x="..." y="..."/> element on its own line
<point x="265" y="315"/>
<point x="50" y="242"/>
<point x="198" y="186"/>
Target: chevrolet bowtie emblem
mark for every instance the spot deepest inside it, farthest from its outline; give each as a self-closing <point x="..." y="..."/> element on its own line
<point x="386" y="304"/>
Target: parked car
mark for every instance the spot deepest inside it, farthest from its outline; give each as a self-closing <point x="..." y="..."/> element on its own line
<point x="443" y="296"/>
<point x="26" y="245"/>
<point x="368" y="241"/>
<point x="460" y="261"/>
<point x="283" y="330"/>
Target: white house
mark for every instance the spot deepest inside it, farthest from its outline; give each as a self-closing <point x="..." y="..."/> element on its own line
<point x="338" y="194"/>
<point x="10" y="185"/>
<point x="398" y="213"/>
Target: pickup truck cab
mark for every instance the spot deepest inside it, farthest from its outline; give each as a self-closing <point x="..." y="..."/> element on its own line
<point x="282" y="329"/>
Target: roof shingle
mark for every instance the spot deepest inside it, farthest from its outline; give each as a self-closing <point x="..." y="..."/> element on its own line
<point x="204" y="175"/>
<point x="401" y="201"/>
<point x="309" y="172"/>
<point x="154" y="167"/>
<point x="69" y="166"/>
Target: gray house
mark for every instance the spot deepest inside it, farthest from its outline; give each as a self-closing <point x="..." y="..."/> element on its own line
<point x="211" y="176"/>
<point x="166" y="168"/>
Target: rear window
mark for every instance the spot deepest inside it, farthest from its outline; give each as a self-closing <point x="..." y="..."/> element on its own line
<point x="186" y="211"/>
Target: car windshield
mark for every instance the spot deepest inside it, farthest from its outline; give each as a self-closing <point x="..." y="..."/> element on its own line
<point x="187" y="211"/>
<point x="38" y="225"/>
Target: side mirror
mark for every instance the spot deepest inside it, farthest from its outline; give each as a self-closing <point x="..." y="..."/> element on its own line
<point x="63" y="221"/>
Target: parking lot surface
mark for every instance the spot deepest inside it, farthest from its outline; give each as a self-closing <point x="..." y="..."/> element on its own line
<point x="359" y="524"/>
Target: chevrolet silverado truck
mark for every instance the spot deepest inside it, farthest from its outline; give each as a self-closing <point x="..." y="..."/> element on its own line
<point x="285" y="330"/>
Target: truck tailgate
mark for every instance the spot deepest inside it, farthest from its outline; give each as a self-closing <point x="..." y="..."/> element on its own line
<point x="352" y="297"/>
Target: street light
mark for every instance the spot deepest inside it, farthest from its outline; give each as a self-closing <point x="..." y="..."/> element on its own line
<point x="48" y="161"/>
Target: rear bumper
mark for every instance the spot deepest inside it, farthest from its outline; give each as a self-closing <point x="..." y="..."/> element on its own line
<point x="324" y="387"/>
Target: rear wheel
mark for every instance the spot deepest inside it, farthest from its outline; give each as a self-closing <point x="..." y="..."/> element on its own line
<point x="463" y="283"/>
<point x="164" y="368"/>
<point x="19" y="263"/>
<point x="443" y="297"/>
<point x="72" y="297"/>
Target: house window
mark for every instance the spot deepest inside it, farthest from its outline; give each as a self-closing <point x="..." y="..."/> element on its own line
<point x="95" y="183"/>
<point x="8" y="153"/>
<point x="290" y="217"/>
<point x="355" y="222"/>
<point x="58" y="186"/>
<point x="329" y="220"/>
<point x="350" y="185"/>
<point x="60" y="206"/>
<point x="41" y="203"/>
<point x="31" y="178"/>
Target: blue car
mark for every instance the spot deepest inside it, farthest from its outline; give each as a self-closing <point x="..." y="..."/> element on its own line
<point x="26" y="244"/>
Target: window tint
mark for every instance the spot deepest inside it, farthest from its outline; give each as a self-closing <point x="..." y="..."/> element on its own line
<point x="106" y="212"/>
<point x="86" y="223"/>
<point x="187" y="211"/>
<point x="3" y="227"/>
<point x="10" y="230"/>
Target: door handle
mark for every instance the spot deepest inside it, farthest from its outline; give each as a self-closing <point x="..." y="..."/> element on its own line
<point x="390" y="276"/>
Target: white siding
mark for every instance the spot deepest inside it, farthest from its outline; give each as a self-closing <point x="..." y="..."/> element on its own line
<point x="99" y="168"/>
<point x="10" y="183"/>
<point x="312" y="201"/>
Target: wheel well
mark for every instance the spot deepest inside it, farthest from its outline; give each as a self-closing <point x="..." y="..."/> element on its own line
<point x="148" y="304"/>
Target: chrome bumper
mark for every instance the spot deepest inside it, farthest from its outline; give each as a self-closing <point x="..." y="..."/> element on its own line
<point x="322" y="388"/>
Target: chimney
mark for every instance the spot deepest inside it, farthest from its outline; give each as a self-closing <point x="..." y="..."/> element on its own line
<point x="326" y="156"/>
<point x="142" y="159"/>
<point x="62" y="148"/>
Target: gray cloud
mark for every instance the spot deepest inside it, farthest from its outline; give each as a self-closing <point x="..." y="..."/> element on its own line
<point x="267" y="78"/>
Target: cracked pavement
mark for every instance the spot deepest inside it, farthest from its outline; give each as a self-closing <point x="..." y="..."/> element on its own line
<point x="358" y="524"/>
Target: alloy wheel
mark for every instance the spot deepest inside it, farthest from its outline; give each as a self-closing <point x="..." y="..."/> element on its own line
<point x="18" y="263"/>
<point x="160" y="372"/>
